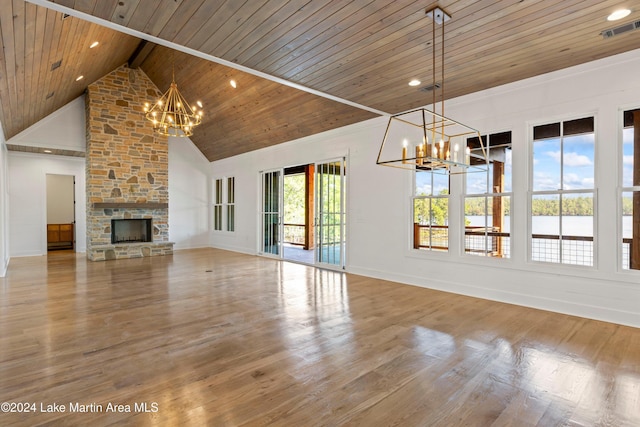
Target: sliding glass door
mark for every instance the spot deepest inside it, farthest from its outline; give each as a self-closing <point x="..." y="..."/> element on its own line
<point x="330" y="213"/>
<point x="326" y="228"/>
<point x="271" y="215"/>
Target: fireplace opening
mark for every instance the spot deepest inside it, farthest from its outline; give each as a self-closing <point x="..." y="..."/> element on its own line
<point x="131" y="230"/>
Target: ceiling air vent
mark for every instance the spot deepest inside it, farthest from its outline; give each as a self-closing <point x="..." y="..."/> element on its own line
<point x="431" y="87"/>
<point x="621" y="29"/>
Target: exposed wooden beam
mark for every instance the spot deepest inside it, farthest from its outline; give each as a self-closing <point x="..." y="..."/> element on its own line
<point x="140" y="54"/>
<point x="309" y="207"/>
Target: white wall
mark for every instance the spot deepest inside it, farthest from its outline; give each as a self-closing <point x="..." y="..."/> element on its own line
<point x="378" y="207"/>
<point x="188" y="195"/>
<point x="4" y="207"/>
<point x="28" y="200"/>
<point x="60" y="206"/>
<point x="65" y="129"/>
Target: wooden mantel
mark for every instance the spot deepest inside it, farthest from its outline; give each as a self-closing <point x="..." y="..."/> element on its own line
<point x="134" y="205"/>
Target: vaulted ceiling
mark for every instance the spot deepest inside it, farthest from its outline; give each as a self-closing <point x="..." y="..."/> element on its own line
<point x="301" y="66"/>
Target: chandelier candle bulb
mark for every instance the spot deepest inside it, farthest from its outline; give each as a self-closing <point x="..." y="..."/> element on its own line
<point x="441" y="144"/>
<point x="455" y="153"/>
<point x="448" y="156"/>
<point x="426" y="145"/>
<point x="467" y="159"/>
<point x="404" y="151"/>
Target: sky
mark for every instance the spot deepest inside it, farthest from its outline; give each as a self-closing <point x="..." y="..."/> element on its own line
<point x="627" y="157"/>
<point x="566" y="164"/>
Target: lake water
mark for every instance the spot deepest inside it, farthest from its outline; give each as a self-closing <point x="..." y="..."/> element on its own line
<point x="572" y="225"/>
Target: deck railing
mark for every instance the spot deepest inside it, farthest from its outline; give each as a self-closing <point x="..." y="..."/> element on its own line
<point x="577" y="250"/>
<point x="495" y="244"/>
<point x="294" y="234"/>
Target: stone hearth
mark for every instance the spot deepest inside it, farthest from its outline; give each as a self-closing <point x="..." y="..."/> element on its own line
<point x="127" y="166"/>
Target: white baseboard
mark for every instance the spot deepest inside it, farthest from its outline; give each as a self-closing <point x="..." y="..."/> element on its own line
<point x="606" y="314"/>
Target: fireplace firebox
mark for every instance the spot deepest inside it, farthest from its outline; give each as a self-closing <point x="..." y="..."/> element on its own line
<point x="131" y="230"/>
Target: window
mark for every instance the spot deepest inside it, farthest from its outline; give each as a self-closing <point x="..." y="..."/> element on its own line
<point x="488" y="201"/>
<point x="562" y="197"/>
<point x="224" y="204"/>
<point x="630" y="192"/>
<point x="217" y="205"/>
<point x="231" y="190"/>
<point x="431" y="211"/>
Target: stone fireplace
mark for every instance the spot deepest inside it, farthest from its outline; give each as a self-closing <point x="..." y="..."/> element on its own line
<point x="127" y="168"/>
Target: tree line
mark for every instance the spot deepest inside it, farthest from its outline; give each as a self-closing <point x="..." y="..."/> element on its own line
<point x="571" y="206"/>
<point x="475" y="206"/>
<point x="574" y="206"/>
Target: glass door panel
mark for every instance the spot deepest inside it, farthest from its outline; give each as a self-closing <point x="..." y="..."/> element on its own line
<point x="330" y="213"/>
<point x="271" y="242"/>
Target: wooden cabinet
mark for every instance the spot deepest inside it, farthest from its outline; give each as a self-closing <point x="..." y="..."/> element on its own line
<point x="59" y="236"/>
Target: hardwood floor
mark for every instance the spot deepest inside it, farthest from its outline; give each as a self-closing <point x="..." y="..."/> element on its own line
<point x="208" y="337"/>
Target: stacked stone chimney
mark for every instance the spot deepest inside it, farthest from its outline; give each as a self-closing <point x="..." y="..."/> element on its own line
<point x="127" y="165"/>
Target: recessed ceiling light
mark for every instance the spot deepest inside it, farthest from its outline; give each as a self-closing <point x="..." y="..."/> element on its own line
<point x="618" y="14"/>
<point x="48" y="151"/>
<point x="233" y="84"/>
<point x="414" y="82"/>
<point x="79" y="78"/>
<point x="94" y="44"/>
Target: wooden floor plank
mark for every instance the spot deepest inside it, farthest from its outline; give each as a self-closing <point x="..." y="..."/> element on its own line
<point x="219" y="338"/>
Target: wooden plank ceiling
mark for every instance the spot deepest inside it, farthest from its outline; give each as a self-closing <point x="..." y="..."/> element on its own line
<point x="362" y="51"/>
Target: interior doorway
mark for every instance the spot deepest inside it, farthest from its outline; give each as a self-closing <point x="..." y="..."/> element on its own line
<point x="60" y="212"/>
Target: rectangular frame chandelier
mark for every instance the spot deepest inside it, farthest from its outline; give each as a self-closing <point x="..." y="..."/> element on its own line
<point x="421" y="139"/>
<point x="424" y="140"/>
